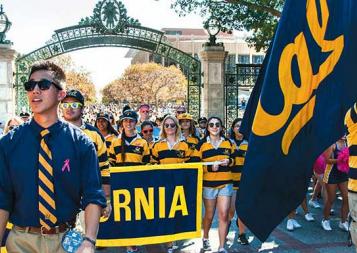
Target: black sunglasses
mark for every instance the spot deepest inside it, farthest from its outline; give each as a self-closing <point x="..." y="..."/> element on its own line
<point x="12" y="127"/>
<point x="213" y="124"/>
<point x="43" y="84"/>
<point x="148" y="131"/>
<point x="172" y="125"/>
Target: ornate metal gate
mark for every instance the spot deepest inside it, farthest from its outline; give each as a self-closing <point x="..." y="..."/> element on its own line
<point x="242" y="80"/>
<point x="109" y="26"/>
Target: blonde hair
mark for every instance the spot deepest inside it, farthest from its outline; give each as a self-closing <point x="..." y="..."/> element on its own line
<point x="16" y="119"/>
<point x="163" y="134"/>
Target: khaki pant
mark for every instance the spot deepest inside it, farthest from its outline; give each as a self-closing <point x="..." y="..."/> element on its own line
<point x="22" y="242"/>
<point x="80" y="222"/>
<point x="352" y="201"/>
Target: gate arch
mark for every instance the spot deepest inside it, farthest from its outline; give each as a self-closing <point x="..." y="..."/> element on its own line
<point x="109" y="26"/>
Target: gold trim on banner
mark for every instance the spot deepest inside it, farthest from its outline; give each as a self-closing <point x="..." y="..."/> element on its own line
<point x="161" y="238"/>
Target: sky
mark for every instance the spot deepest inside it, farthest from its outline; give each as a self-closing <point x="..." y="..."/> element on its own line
<point x="34" y="22"/>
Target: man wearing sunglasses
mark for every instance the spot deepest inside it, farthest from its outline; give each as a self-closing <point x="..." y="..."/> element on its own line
<point x="72" y="110"/>
<point x="48" y="170"/>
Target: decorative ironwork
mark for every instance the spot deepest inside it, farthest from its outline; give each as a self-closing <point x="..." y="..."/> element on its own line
<point x="109" y="17"/>
<point x="5" y="25"/>
<point x="243" y="78"/>
<point x="110" y="27"/>
<point x="213" y="27"/>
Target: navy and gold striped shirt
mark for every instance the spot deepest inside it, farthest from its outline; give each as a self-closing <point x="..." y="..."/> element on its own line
<point x="239" y="163"/>
<point x="109" y="140"/>
<point x="192" y="141"/>
<point x="351" y="124"/>
<point x="136" y="152"/>
<point x="206" y="152"/>
<point x="161" y="153"/>
<point x="99" y="143"/>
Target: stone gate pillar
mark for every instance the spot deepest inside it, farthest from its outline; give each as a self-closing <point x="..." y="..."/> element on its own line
<point x="213" y="101"/>
<point x="7" y="91"/>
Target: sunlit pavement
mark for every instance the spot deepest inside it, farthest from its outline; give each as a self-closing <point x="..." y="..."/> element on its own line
<point x="311" y="238"/>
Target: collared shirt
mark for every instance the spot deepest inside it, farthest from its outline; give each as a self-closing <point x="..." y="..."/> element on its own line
<point x="351" y="124"/>
<point x="164" y="153"/>
<point x="192" y="141"/>
<point x="76" y="185"/>
<point x="108" y="141"/>
<point x="136" y="152"/>
<point x="207" y="152"/>
<point x="101" y="148"/>
<point x="239" y="163"/>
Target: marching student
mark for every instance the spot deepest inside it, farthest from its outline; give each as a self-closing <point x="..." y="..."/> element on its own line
<point x="12" y="123"/>
<point x="188" y="130"/>
<point x="333" y="179"/>
<point x="242" y="147"/>
<point x="170" y="148"/>
<point x="103" y="124"/>
<point x="217" y="179"/>
<point x="42" y="193"/>
<point x="129" y="149"/>
<point x="147" y="129"/>
<point x="72" y="111"/>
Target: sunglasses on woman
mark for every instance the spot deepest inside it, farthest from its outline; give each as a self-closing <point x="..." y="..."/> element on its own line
<point x="148" y="131"/>
<point x="43" y="84"/>
<point x="172" y="125"/>
<point x="12" y="127"/>
<point x="73" y="105"/>
<point x="217" y="124"/>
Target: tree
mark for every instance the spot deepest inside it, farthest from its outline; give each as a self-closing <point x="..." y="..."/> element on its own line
<point x="81" y="81"/>
<point x="257" y="16"/>
<point x="147" y="83"/>
<point x="77" y="77"/>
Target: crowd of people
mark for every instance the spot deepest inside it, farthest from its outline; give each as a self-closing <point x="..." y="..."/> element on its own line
<point x="174" y="137"/>
<point x="114" y="110"/>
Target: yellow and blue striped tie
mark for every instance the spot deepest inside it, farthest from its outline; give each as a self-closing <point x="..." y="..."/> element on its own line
<point x="46" y="191"/>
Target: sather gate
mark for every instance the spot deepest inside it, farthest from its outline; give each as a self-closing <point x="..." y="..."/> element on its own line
<point x="109" y="26"/>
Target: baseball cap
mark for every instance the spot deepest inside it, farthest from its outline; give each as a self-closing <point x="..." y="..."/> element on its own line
<point x="75" y="94"/>
<point x="202" y="119"/>
<point x="103" y="115"/>
<point x="181" y="109"/>
<point x="24" y="114"/>
<point x="129" y="114"/>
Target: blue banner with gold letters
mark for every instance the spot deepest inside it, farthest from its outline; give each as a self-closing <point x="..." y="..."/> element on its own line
<point x="308" y="87"/>
<point x="153" y="204"/>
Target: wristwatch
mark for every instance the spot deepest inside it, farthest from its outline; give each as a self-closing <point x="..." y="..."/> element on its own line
<point x="85" y="238"/>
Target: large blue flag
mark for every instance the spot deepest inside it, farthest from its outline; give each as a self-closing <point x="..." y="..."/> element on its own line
<point x="308" y="87"/>
<point x="251" y="108"/>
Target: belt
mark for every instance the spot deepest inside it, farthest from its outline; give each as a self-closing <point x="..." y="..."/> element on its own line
<point x="44" y="231"/>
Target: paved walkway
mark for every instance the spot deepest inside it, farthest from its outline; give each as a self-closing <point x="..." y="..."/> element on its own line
<point x="311" y="238"/>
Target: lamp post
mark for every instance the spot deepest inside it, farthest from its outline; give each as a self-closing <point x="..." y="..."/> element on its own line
<point x="5" y="25"/>
<point x="213" y="27"/>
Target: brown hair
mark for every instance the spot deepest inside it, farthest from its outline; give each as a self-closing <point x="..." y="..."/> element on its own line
<point x="58" y="74"/>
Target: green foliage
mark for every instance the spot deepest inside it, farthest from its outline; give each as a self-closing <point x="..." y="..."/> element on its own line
<point x="260" y="17"/>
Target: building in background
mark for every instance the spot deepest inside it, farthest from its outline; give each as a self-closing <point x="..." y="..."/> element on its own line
<point x="190" y="41"/>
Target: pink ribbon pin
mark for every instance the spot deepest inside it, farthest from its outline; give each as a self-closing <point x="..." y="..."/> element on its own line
<point x="66" y="166"/>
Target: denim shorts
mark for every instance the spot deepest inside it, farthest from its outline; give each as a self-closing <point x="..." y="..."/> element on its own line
<point x="213" y="193"/>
